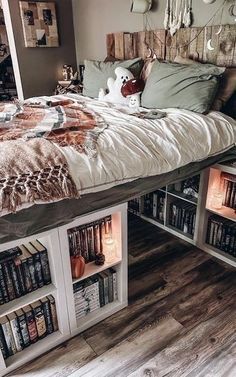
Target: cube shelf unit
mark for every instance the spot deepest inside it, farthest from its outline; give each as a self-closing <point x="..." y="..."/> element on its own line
<point x="119" y="233"/>
<point x="56" y="242"/>
<point x="51" y="241"/>
<point x="209" y="180"/>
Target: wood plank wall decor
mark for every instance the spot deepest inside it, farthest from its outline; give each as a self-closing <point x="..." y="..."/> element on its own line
<point x="131" y="45"/>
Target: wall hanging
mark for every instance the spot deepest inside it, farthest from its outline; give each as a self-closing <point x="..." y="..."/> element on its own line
<point x="39" y="24"/>
<point x="178" y="14"/>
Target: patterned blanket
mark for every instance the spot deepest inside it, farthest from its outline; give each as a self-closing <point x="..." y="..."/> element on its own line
<point x="32" y="167"/>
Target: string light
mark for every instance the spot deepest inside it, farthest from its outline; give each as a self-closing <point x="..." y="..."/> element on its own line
<point x="147" y="24"/>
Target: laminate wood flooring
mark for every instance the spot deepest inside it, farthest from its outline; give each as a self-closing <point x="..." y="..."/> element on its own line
<point x="180" y="322"/>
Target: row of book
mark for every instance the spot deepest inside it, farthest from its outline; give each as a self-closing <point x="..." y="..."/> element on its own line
<point x="229" y="190"/>
<point x="95" y="292"/>
<point x="182" y="216"/>
<point x="26" y="326"/>
<point x="221" y="234"/>
<point x="23" y="269"/>
<point x="86" y="240"/>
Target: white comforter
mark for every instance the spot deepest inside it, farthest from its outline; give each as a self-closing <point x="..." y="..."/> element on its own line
<point x="132" y="148"/>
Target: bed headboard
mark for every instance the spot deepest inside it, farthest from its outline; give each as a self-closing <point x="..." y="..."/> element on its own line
<point x="132" y="45"/>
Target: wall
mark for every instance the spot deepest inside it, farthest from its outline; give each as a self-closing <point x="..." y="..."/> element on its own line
<point x="93" y="19"/>
<point x="40" y="68"/>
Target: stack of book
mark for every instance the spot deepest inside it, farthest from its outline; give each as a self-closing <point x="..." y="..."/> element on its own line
<point x="95" y="292"/>
<point x="26" y="326"/>
<point x="229" y="190"/>
<point x="158" y="205"/>
<point x="86" y="240"/>
<point x="182" y="216"/>
<point x="221" y="234"/>
<point x="23" y="269"/>
<point x="134" y="206"/>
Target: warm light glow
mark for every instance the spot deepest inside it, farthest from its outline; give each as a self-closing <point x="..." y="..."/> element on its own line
<point x="216" y="199"/>
<point x="109" y="249"/>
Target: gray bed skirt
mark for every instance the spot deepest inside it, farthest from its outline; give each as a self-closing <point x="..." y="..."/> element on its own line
<point x="39" y="218"/>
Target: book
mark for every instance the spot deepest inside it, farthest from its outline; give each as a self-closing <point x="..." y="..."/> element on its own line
<point x="110" y="285"/>
<point x="14" y="278"/>
<point x="8" y="281"/>
<point x="3" y="345"/>
<point x="101" y="290"/>
<point x="106" y="288"/>
<point x="47" y="314"/>
<point x="28" y="270"/>
<point x="39" y="319"/>
<point x="31" y="323"/>
<point x="23" y="327"/>
<point x="53" y="312"/>
<point x="20" y="275"/>
<point x="3" y="288"/>
<point x="7" y="331"/>
<point x="15" y="328"/>
<point x="115" y="285"/>
<point x="43" y="254"/>
<point x="37" y="264"/>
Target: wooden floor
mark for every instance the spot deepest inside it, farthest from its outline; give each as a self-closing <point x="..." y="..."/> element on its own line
<point x="181" y="318"/>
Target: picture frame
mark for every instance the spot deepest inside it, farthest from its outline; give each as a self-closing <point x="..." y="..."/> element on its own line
<point x="39" y="23"/>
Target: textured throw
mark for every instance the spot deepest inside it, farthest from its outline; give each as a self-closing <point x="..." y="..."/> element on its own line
<point x="33" y="171"/>
<point x="32" y="167"/>
<point x="71" y="124"/>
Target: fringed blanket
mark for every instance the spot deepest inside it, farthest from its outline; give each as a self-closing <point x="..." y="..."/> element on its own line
<point x="32" y="167"/>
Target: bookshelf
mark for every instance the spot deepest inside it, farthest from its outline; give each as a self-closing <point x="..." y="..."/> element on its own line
<point x="209" y="202"/>
<point x="61" y="286"/>
<point x="119" y="264"/>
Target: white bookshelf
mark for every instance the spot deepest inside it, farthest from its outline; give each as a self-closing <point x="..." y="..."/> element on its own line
<point x="119" y="233"/>
<point x="61" y="287"/>
<point x="209" y="180"/>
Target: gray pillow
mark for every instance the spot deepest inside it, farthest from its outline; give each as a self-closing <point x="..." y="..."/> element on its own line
<point x="190" y="87"/>
<point x="96" y="74"/>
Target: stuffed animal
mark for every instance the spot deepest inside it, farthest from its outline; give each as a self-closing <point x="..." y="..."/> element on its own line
<point x="132" y="90"/>
<point x="114" y="86"/>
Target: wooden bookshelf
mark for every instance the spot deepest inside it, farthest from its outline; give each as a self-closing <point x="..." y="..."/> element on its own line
<point x="61" y="287"/>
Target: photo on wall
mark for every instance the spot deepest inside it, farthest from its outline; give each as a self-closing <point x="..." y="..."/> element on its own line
<point x="39" y="24"/>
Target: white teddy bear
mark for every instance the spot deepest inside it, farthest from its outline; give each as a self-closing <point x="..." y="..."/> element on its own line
<point x="114" y="86"/>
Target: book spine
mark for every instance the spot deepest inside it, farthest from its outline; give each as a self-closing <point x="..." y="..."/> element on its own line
<point x="14" y="278"/>
<point x="101" y="291"/>
<point x="20" y="276"/>
<point x="40" y="322"/>
<point x="110" y="287"/>
<point x="3" y="344"/>
<point x="8" y="281"/>
<point x="106" y="290"/>
<point x="3" y="288"/>
<point x="115" y="287"/>
<point x="47" y="315"/>
<point x="17" y="334"/>
<point x="32" y="273"/>
<point x="11" y="347"/>
<point x="24" y="330"/>
<point x="54" y="314"/>
<point x="38" y="270"/>
<point x="154" y="205"/>
<point x="31" y="326"/>
<point x="45" y="267"/>
<point x="25" y="266"/>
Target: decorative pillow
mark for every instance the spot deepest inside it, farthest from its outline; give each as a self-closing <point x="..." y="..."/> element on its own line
<point x="227" y="85"/>
<point x="191" y="87"/>
<point x="96" y="73"/>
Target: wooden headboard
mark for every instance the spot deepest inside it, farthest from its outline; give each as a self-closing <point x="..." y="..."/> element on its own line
<point x="132" y="45"/>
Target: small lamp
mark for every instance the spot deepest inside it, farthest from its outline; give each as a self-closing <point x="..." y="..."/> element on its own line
<point x="216" y="199"/>
<point x="141" y="6"/>
<point x="109" y="249"/>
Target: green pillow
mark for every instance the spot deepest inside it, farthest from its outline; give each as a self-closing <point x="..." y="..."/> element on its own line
<point x="96" y="74"/>
<point x="191" y="87"/>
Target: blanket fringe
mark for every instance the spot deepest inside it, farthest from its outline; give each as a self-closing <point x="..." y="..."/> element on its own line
<point x="47" y="185"/>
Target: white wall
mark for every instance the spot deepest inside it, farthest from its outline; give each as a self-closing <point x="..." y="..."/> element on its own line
<point x="93" y="19"/>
